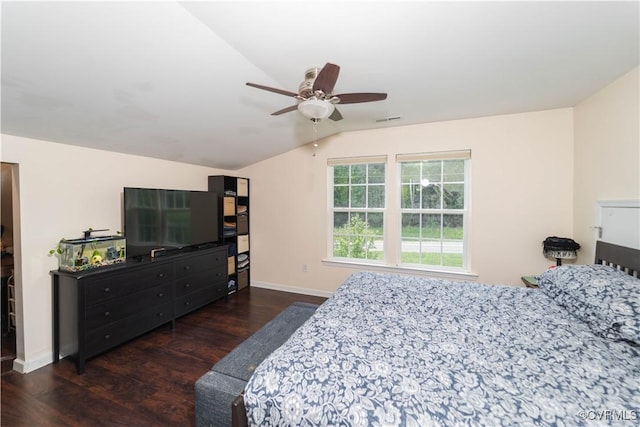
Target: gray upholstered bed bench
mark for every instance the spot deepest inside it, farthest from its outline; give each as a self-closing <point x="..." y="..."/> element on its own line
<point x="217" y="389"/>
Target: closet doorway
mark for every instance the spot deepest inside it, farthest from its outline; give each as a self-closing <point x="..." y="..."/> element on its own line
<point x="8" y="174"/>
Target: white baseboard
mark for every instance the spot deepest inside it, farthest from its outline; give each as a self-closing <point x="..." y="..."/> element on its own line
<point x="292" y="289"/>
<point x="26" y="366"/>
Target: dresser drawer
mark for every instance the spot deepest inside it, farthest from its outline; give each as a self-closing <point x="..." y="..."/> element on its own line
<point x="198" y="263"/>
<point x="199" y="298"/>
<point x="193" y="283"/>
<point x="200" y="280"/>
<point x="116" y="309"/>
<point x="120" y="284"/>
<point x="116" y="333"/>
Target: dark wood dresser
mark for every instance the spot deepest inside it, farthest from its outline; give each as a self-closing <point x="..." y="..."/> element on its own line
<point x="94" y="311"/>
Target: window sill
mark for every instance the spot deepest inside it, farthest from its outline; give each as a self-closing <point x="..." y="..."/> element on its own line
<point x="440" y="274"/>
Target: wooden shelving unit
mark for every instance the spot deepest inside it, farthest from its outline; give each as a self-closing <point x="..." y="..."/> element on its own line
<point x="233" y="194"/>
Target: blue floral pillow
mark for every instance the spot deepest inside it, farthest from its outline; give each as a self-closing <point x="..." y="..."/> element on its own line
<point x="607" y="299"/>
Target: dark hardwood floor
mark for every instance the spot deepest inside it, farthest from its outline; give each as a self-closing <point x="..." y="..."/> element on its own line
<point x="146" y="382"/>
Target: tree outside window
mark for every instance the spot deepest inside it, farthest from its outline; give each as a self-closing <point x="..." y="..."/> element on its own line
<point x="429" y="222"/>
<point x="432" y="210"/>
<point x="358" y="211"/>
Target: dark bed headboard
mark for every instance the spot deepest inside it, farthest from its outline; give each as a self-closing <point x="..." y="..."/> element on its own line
<point x="621" y="257"/>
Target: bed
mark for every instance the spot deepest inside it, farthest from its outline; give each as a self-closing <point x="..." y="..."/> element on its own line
<point x="398" y="350"/>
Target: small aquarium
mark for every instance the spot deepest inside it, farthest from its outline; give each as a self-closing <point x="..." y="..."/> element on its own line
<point x="90" y="252"/>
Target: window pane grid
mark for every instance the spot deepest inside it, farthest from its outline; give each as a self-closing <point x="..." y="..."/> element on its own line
<point x="431" y="217"/>
<point x="358" y="211"/>
<point x="432" y="212"/>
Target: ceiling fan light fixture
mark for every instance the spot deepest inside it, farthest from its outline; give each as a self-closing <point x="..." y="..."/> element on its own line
<point x="315" y="109"/>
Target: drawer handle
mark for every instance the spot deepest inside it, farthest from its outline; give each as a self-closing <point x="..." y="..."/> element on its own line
<point x="161" y="275"/>
<point x="107" y="289"/>
<point x="187" y="285"/>
<point x="107" y="313"/>
<point x="160" y="294"/>
<point x="186" y="267"/>
<point x="161" y="314"/>
<point x="107" y="337"/>
<point x="217" y="274"/>
<point x="187" y="303"/>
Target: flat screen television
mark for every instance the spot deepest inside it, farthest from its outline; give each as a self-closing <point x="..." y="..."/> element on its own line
<point x="168" y="219"/>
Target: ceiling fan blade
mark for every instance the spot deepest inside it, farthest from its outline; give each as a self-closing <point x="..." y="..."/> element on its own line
<point x="335" y="116"/>
<point x="272" y="89"/>
<point x="354" y="98"/>
<point x="285" y="110"/>
<point x="327" y="78"/>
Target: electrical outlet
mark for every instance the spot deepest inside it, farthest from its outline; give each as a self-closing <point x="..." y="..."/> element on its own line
<point x="304" y="268"/>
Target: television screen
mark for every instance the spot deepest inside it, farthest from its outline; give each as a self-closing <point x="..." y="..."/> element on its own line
<point x="169" y="219"/>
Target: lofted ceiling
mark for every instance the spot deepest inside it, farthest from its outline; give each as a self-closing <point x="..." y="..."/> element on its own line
<point x="167" y="79"/>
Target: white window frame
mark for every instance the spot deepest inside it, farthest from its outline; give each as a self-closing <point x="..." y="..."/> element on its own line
<point x="331" y="209"/>
<point x="436" y="156"/>
<point x="393" y="219"/>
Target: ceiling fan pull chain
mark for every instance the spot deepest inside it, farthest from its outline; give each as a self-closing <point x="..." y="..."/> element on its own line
<point x="315" y="135"/>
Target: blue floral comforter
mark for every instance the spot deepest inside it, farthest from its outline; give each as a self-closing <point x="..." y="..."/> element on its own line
<point x="392" y="350"/>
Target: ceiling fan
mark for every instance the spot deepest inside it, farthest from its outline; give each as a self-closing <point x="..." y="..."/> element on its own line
<point x="315" y="94"/>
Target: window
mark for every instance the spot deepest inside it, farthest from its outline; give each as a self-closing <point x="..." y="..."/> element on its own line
<point x="432" y="210"/>
<point x="425" y="226"/>
<point x="357" y="210"/>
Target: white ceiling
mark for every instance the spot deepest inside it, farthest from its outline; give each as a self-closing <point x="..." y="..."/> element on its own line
<point x="167" y="79"/>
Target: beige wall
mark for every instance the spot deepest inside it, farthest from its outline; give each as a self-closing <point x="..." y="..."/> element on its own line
<point x="63" y="190"/>
<point x="607" y="154"/>
<point x="522" y="191"/>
